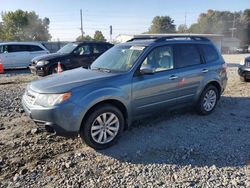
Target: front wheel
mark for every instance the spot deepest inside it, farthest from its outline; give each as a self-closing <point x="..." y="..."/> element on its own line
<point x="102" y="127"/>
<point x="208" y="100"/>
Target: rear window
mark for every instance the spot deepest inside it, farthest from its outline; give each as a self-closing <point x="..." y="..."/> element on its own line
<point x="210" y="54"/>
<point x="34" y="48"/>
<point x="187" y="55"/>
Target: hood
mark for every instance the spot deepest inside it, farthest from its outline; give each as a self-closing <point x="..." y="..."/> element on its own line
<point x="63" y="82"/>
<point x="48" y="57"/>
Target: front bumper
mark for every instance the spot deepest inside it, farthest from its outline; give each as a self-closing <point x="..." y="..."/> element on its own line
<point x="59" y="119"/>
<point x="244" y="71"/>
<point x="40" y="71"/>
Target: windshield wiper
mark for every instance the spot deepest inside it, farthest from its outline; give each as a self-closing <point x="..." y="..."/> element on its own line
<point x="101" y="69"/>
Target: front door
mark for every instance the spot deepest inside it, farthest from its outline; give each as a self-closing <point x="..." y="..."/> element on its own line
<point x="152" y="92"/>
<point x="82" y="57"/>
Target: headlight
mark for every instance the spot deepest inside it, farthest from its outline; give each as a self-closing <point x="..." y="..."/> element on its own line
<point x="48" y="100"/>
<point x="42" y="63"/>
<point x="242" y="62"/>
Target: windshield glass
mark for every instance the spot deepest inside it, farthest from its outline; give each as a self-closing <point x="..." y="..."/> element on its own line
<point x="67" y="48"/>
<point x="118" y="58"/>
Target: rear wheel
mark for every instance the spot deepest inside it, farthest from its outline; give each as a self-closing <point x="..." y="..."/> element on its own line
<point x="102" y="127"/>
<point x="208" y="100"/>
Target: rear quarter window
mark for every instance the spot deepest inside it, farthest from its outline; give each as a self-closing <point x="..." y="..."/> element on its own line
<point x="210" y="53"/>
<point x="34" y="48"/>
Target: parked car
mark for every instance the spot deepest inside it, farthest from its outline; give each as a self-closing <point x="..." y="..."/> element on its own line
<point x="244" y="69"/>
<point x="19" y="54"/>
<point x="242" y="49"/>
<point x="128" y="82"/>
<point x="72" y="55"/>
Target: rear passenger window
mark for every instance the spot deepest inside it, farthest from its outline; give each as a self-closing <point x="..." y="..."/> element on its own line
<point x="98" y="48"/>
<point x="17" y="48"/>
<point x="209" y="52"/>
<point x="187" y="55"/>
<point x="33" y="48"/>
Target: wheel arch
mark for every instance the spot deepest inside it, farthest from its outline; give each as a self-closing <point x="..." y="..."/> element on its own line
<point x="115" y="102"/>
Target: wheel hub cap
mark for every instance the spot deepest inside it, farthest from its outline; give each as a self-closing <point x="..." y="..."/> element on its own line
<point x="105" y="128"/>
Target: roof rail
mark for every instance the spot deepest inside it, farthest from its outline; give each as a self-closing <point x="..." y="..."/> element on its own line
<point x="159" y="38"/>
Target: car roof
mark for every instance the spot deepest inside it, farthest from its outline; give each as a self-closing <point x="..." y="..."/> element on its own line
<point x="21" y="43"/>
<point x="158" y="39"/>
<point x="92" y="42"/>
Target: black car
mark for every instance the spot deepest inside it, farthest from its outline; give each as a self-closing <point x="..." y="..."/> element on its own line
<point x="244" y="69"/>
<point x="72" y="55"/>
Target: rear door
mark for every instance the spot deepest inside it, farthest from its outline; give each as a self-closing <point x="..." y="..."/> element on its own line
<point x="159" y="90"/>
<point x="192" y="70"/>
<point x="98" y="49"/>
<point x="35" y="50"/>
<point x="19" y="55"/>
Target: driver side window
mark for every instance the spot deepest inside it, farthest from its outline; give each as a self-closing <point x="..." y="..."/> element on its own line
<point x="83" y="50"/>
<point x="160" y="58"/>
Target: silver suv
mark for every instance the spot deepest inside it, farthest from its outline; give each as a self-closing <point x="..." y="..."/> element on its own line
<point x="128" y="82"/>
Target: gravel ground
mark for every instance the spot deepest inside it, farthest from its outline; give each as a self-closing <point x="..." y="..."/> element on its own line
<point x="175" y="149"/>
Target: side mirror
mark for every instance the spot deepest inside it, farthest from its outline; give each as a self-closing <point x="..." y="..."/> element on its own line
<point x="147" y="69"/>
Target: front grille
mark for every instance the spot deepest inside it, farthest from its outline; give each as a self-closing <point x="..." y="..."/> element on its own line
<point x="30" y="97"/>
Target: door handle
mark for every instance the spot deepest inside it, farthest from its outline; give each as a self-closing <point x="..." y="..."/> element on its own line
<point x="204" y="71"/>
<point x="173" y="77"/>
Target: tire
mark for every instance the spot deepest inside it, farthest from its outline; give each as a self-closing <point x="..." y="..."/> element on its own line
<point x="205" y="105"/>
<point x="244" y="79"/>
<point x="93" y="127"/>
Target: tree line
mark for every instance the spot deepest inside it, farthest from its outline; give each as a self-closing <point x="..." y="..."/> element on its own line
<point x="27" y="26"/>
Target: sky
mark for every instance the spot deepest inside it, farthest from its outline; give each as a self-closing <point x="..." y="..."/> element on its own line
<point x="126" y="16"/>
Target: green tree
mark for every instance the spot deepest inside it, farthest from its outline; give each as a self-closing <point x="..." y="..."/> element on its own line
<point x="25" y="26"/>
<point x="182" y="28"/>
<point x="84" y="38"/>
<point x="162" y="24"/>
<point x="1" y="31"/>
<point x="222" y="22"/>
<point x="244" y="33"/>
<point x="98" y="36"/>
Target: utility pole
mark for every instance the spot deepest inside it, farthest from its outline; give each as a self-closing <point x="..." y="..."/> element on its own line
<point x="233" y="28"/>
<point x="185" y="24"/>
<point x="110" y="32"/>
<point x="81" y="23"/>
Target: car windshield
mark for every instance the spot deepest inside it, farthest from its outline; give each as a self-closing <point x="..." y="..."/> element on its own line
<point x="118" y="59"/>
<point x="68" y="48"/>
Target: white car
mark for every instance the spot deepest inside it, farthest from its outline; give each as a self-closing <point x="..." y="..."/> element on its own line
<point x="19" y="54"/>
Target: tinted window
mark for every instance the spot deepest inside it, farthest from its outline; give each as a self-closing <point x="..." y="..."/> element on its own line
<point x="209" y="52"/>
<point x="188" y="55"/>
<point x="83" y="50"/>
<point x="33" y="48"/>
<point x="17" y="48"/>
<point x="99" y="48"/>
<point x="161" y="58"/>
<point x="3" y="49"/>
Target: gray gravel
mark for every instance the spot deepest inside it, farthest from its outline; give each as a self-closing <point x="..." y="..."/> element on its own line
<point x="174" y="149"/>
